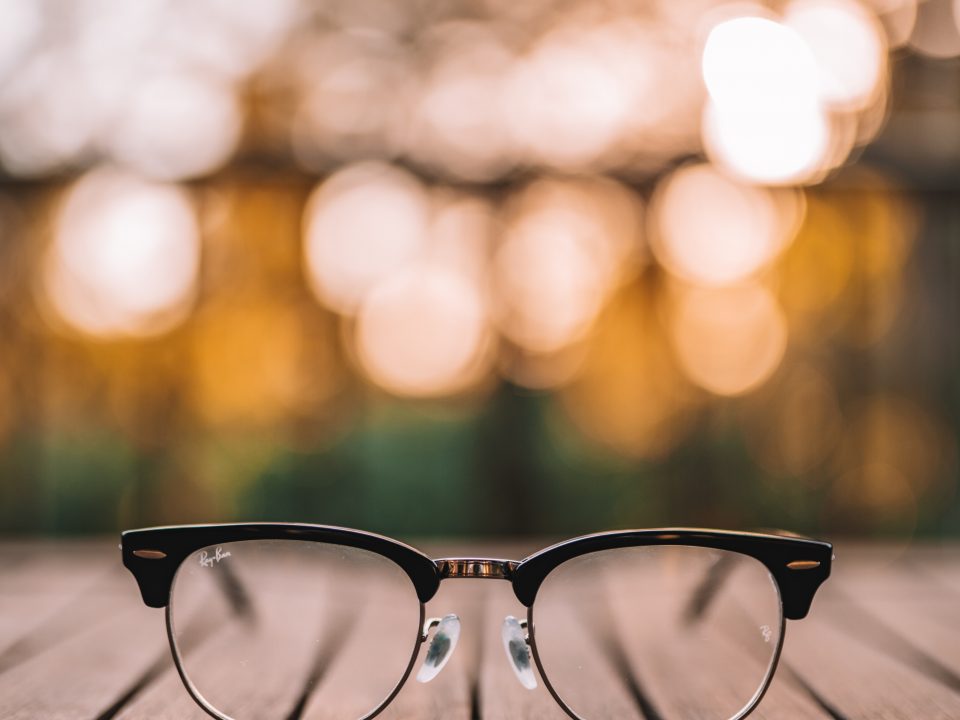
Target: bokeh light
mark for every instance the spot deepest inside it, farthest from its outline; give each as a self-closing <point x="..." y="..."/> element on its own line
<point x="848" y="45"/>
<point x="751" y="63"/>
<point x="900" y="433"/>
<point x="887" y="223"/>
<point x="936" y="32"/>
<point x="894" y="453"/>
<point x="869" y="122"/>
<point x="778" y="146"/>
<point x="712" y="230"/>
<point x="458" y="126"/>
<point x="662" y="107"/>
<point x="20" y="24"/>
<point x="505" y="226"/>
<point x="818" y="266"/>
<point x="462" y="227"/>
<point x="565" y="104"/>
<point x="629" y="394"/>
<point x="240" y="380"/>
<point x="150" y="85"/>
<point x="176" y="127"/>
<point x="344" y="82"/>
<point x="550" y="281"/>
<point x="541" y="371"/>
<point x="795" y="423"/>
<point x="424" y="332"/>
<point x="362" y="225"/>
<point x="125" y="256"/>
<point x="728" y="340"/>
<point x="897" y="18"/>
<point x="764" y="121"/>
<point x="843" y="274"/>
<point x="49" y="119"/>
<point x="224" y="37"/>
<point x="565" y="247"/>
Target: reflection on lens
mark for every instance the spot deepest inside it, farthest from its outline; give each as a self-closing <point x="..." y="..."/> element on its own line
<point x="274" y="629"/>
<point x="692" y="633"/>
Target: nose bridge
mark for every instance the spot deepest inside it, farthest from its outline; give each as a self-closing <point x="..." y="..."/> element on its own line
<point x="513" y="632"/>
<point x="485" y="568"/>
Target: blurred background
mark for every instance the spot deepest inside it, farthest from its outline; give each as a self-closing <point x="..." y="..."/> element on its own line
<point x="439" y="267"/>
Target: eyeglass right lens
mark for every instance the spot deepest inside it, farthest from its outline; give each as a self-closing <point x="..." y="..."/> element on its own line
<point x="687" y="632"/>
<point x="279" y="629"/>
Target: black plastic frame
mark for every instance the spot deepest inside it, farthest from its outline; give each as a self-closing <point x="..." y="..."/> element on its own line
<point x="155" y="574"/>
<point x="811" y="559"/>
<point x="797" y="565"/>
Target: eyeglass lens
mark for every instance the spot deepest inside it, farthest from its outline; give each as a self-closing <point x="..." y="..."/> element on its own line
<point x="282" y="629"/>
<point x="658" y="631"/>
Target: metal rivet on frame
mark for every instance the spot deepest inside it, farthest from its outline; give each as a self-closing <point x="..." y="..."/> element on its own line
<point x="803" y="564"/>
<point x="150" y="554"/>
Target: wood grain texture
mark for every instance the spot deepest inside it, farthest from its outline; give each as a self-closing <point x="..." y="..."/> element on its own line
<point x="882" y="642"/>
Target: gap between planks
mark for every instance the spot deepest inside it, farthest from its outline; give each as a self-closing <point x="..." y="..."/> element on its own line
<point x="870" y="649"/>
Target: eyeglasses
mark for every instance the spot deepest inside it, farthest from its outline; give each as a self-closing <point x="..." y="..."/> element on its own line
<point x="288" y="621"/>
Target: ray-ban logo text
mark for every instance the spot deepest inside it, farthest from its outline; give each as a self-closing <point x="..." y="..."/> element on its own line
<point x="208" y="560"/>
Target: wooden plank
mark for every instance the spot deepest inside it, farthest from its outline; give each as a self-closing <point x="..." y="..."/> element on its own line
<point x="56" y="593"/>
<point x="881" y="642"/>
<point x="90" y="671"/>
<point x="943" y="571"/>
<point x="904" y="611"/>
<point x="833" y="655"/>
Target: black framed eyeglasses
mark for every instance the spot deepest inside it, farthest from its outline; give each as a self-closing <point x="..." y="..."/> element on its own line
<point x="284" y="621"/>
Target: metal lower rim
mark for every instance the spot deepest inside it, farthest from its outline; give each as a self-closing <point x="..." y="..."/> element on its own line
<point x="744" y="712"/>
<point x="200" y="700"/>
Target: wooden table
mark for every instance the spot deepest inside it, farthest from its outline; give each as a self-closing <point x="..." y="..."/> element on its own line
<point x="882" y="641"/>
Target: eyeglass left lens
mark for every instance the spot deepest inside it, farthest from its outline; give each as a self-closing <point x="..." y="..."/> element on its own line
<point x="282" y="629"/>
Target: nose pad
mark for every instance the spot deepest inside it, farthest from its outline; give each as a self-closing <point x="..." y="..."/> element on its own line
<point x="441" y="647"/>
<point x="514" y="637"/>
